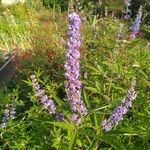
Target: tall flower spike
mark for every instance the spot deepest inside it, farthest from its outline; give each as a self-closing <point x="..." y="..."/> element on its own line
<point x="9" y="114"/>
<point x="119" y="111"/>
<point x="127" y="11"/>
<point x="73" y="85"/>
<point x="48" y="104"/>
<point x="134" y="29"/>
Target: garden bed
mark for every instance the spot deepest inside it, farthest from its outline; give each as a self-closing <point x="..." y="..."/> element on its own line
<point x="7" y="70"/>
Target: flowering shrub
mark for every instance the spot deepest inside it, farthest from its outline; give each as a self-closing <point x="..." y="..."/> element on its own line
<point x="106" y="67"/>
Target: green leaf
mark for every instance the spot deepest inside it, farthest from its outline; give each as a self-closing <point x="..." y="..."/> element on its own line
<point x="85" y="98"/>
<point x="113" y="141"/>
<point x="112" y="66"/>
<point x="93" y="69"/>
<point x="97" y="85"/>
<point x="92" y="89"/>
<point x="64" y="125"/>
<point x="78" y="142"/>
<point x="58" y="100"/>
<point x="94" y="143"/>
<point x="73" y="141"/>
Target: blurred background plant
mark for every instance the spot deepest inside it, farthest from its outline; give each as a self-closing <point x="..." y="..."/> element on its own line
<point x="14" y="27"/>
<point x="56" y="4"/>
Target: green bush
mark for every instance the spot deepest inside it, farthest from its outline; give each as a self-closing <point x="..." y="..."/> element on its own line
<point x="147" y="13"/>
<point x="56" y="4"/>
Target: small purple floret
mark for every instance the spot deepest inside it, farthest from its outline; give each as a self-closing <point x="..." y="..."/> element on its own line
<point x="59" y="116"/>
<point x="76" y="119"/>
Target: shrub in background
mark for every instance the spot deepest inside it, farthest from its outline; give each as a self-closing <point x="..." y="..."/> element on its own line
<point x="54" y="4"/>
<point x="147" y="12"/>
<point x="135" y="5"/>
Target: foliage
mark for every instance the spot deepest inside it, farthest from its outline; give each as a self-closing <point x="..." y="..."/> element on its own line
<point x="63" y="5"/>
<point x="3" y="56"/>
<point x="107" y="66"/>
<point x="147" y="12"/>
<point x="14" y="26"/>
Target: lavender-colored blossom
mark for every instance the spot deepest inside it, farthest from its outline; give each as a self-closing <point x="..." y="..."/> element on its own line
<point x="119" y="111"/>
<point x="76" y="119"/>
<point x="134" y="29"/>
<point x="59" y="116"/>
<point x="128" y="11"/>
<point x="127" y="2"/>
<point x="47" y="103"/>
<point x="106" y="125"/>
<point x="73" y="85"/>
<point x="9" y="114"/>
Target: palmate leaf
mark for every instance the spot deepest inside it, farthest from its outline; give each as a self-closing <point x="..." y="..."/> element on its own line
<point x="132" y="132"/>
<point x="94" y="143"/>
<point x="72" y="135"/>
<point x="64" y="125"/>
<point x="112" y="66"/>
<point x="92" y="89"/>
<point x="72" y="143"/>
<point x="113" y="141"/>
<point x="95" y="70"/>
<point x="57" y="99"/>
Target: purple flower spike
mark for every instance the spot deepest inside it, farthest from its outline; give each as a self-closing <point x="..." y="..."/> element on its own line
<point x="119" y="111"/>
<point x="75" y="118"/>
<point x="106" y="125"/>
<point x="59" y="116"/>
<point x="134" y="29"/>
<point x="128" y="11"/>
<point x="73" y="85"/>
<point x="10" y="113"/>
<point x="47" y="103"/>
